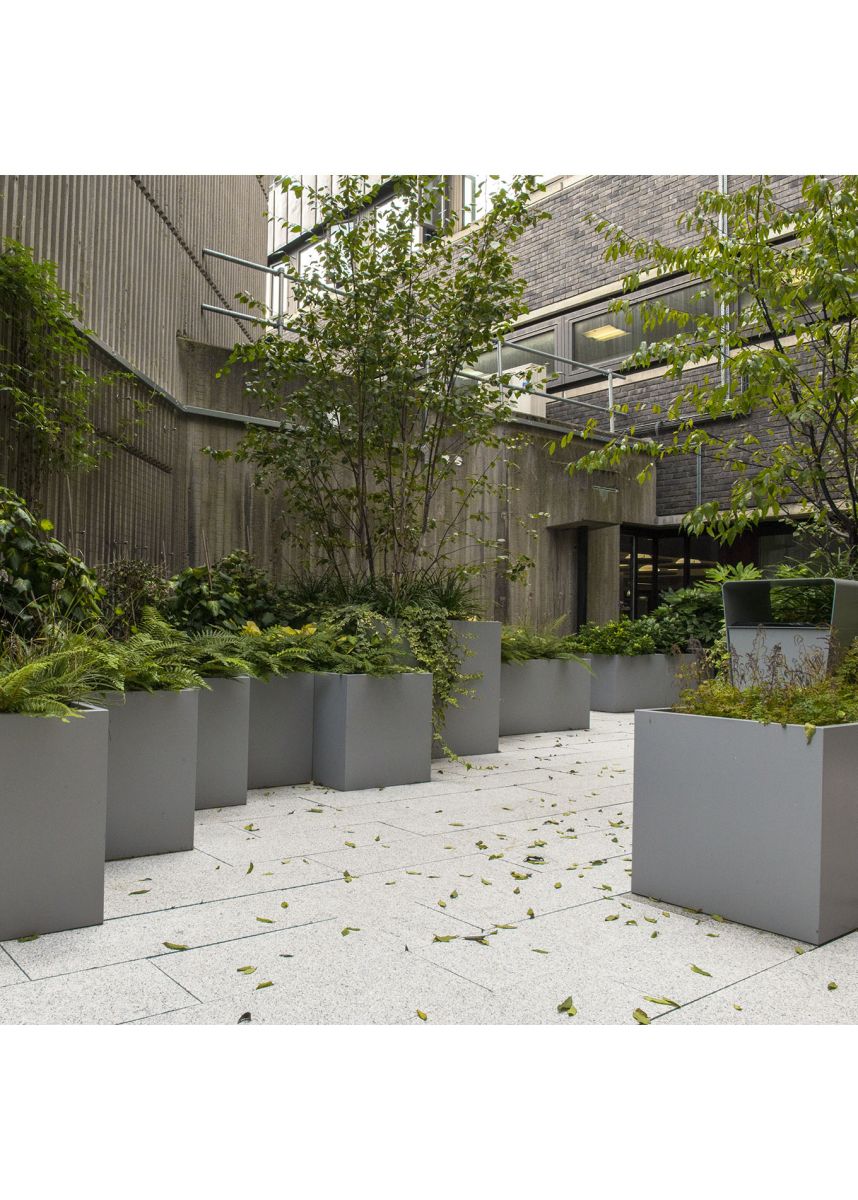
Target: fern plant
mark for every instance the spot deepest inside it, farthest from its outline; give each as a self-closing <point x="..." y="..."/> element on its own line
<point x="49" y="681"/>
<point x="520" y="644"/>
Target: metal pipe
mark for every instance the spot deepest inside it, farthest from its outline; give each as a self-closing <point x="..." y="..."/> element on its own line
<point x="229" y="312"/>
<point x="572" y="362"/>
<point x="724" y="308"/>
<point x="611" y="402"/>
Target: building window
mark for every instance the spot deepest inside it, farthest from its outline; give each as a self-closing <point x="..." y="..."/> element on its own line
<point x="612" y="336"/>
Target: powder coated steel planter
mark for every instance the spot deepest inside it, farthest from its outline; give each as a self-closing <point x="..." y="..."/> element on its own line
<point x="748" y="821"/>
<point x="473" y="726"/>
<point x="222" y="737"/>
<point x="624" y="682"/>
<point x="544" y="695"/>
<point x="152" y="772"/>
<point x="372" y="731"/>
<point x="280" y="749"/>
<point x="53" y="807"/>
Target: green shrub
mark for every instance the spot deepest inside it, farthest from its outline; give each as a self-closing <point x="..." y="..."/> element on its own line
<point x="226" y="595"/>
<point x="41" y="583"/>
<point x="520" y="644"/>
<point x="449" y="590"/>
<point x="129" y="585"/>
<point x="622" y="636"/>
<point x="828" y="702"/>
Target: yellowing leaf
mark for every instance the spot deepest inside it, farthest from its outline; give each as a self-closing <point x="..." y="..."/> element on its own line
<point x="662" y="1000"/>
<point x="832" y="986"/>
<point x="169" y="945"/>
<point x="641" y="1017"/>
<point x="530" y="912"/>
<point x="265" y="920"/>
<point x="445" y="937"/>
<point x="700" y="971"/>
<point x="422" y="1015"/>
<point x="245" y="970"/>
<point x="266" y="983"/>
<point x="284" y="903"/>
<point x="567" y="1006"/>
<point x="613" y="917"/>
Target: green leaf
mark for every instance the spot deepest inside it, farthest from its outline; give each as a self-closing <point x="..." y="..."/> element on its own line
<point x="567" y="1006"/>
<point x="445" y="937"/>
<point x="140" y="892"/>
<point x="662" y="1000"/>
<point x="641" y="1017"/>
<point x="30" y="937"/>
<point x="613" y="917"/>
<point x="265" y="984"/>
<point x="265" y="920"/>
<point x="350" y="929"/>
<point x="700" y="971"/>
<point x="245" y="970"/>
<point x="174" y="945"/>
<point x="249" y="869"/>
<point x="832" y="986"/>
<point x="530" y="912"/>
<point x="422" y="1015"/>
<point x="534" y="950"/>
<point x="284" y="903"/>
<point x="519" y="875"/>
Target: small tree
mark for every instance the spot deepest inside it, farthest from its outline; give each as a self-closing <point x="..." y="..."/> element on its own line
<point x="369" y="377"/>
<point x="783" y="323"/>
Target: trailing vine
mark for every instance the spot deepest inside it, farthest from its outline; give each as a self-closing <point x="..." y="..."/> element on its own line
<point x="44" y="385"/>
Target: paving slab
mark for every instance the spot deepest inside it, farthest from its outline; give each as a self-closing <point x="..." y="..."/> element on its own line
<point x="104" y="996"/>
<point x="140" y="885"/>
<point x="10" y="972"/>
<point x="143" y="936"/>
<point x="360" y="978"/>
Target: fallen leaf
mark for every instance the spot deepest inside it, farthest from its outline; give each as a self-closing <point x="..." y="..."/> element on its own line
<point x="284" y="903"/>
<point x="347" y="877"/>
<point x="567" y="1006"/>
<point x="832" y="986"/>
<point x="251" y="828"/>
<point x="249" y="869"/>
<point x="445" y="937"/>
<point x="350" y="845"/>
<point x="536" y="951"/>
<point x="662" y="1000"/>
<point x="641" y="1017"/>
<point x="266" y="983"/>
<point x="530" y="912"/>
<point x="245" y="970"/>
<point x="421" y="1015"/>
<point x="613" y="917"/>
<point x="315" y="810"/>
<point x="31" y="937"/>
<point x="140" y="892"/>
<point x="700" y="971"/>
<point x="519" y="875"/>
<point x="454" y="895"/>
<point x="265" y="920"/>
<point x="169" y="945"/>
<point x="486" y="882"/>
<point x="350" y="929"/>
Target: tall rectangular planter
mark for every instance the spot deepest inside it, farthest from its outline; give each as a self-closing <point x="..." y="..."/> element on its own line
<point x="222" y="738"/>
<point x="544" y="695"/>
<point x="151" y="773"/>
<point x="280" y="750"/>
<point x="624" y="682"/>
<point x="473" y="725"/>
<point x="53" y="807"/>
<point x="748" y="821"/>
<point x="372" y="731"/>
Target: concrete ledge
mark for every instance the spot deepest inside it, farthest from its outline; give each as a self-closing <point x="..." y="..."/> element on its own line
<point x="473" y="726"/>
<point x="151" y="772"/>
<point x="280" y="748"/>
<point x="222" y="738"/>
<point x="372" y="731"/>
<point x="53" y="808"/>
<point x="748" y="821"/>
<point x="544" y="695"/>
<point x="624" y="682"/>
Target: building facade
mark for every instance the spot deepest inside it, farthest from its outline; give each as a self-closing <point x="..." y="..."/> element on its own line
<point x="131" y="251"/>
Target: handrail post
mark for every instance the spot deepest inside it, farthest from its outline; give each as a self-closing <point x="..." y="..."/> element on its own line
<point x="610" y="402"/>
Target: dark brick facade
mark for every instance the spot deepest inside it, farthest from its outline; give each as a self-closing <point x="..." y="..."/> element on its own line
<point x="564" y="258"/>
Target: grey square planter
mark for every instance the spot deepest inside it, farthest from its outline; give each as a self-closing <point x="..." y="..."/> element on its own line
<point x="151" y="772"/>
<point x="544" y="695"/>
<point x="748" y="821"/>
<point x="280" y="750"/>
<point x="372" y="731"/>
<point x="473" y="726"/>
<point x="53" y="806"/>
<point x="624" y="682"/>
<point x="222" y="736"/>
